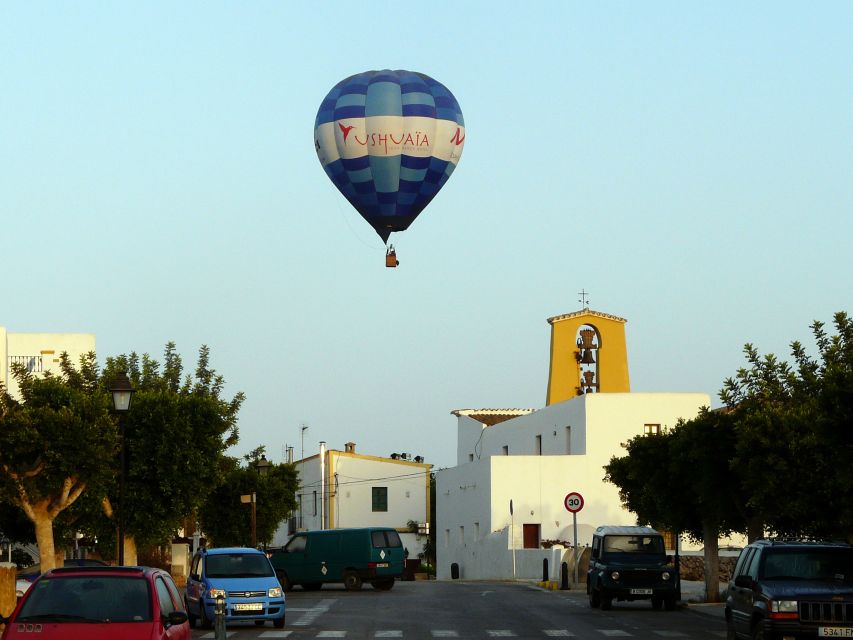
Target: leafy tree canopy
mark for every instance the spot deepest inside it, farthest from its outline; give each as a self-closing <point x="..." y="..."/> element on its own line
<point x="227" y="521"/>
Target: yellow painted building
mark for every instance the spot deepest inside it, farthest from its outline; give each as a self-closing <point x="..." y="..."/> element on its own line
<point x="589" y="354"/>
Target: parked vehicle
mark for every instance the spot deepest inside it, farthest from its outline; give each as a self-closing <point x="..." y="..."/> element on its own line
<point x="791" y="589"/>
<point x="100" y="603"/>
<point x="243" y="577"/>
<point x="25" y="577"/>
<point x="350" y="556"/>
<point x="630" y="563"/>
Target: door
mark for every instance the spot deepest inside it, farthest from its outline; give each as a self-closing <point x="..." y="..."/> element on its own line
<point x="741" y="598"/>
<point x="531" y="536"/>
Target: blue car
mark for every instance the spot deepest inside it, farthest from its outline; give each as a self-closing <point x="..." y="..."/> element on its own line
<point x="243" y="577"/>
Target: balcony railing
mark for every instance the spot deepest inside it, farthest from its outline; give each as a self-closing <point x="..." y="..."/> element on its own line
<point x="33" y="364"/>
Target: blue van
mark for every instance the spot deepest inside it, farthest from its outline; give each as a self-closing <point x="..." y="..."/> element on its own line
<point x="244" y="577"/>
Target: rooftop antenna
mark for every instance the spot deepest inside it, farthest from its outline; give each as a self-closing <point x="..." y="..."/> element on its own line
<point x="584" y="299"/>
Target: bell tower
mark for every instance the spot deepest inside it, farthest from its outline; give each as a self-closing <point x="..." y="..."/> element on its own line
<point x="589" y="354"/>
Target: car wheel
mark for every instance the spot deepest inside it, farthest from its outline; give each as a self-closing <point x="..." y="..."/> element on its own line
<point x="284" y="581"/>
<point x="594" y="599"/>
<point x="606" y="601"/>
<point x="259" y="623"/>
<point x="669" y="603"/>
<point x="383" y="585"/>
<point x="203" y="620"/>
<point x="657" y="602"/>
<point x="730" y="631"/>
<point x="190" y="616"/>
<point x="352" y="581"/>
<point x="278" y="623"/>
<point x="758" y="631"/>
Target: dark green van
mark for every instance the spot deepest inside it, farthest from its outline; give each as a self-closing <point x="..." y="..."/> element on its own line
<point x="350" y="556"/>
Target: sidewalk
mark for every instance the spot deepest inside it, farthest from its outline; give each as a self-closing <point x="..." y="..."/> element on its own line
<point x="693" y="597"/>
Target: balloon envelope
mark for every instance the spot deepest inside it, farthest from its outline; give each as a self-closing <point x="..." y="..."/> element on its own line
<point x="389" y="140"/>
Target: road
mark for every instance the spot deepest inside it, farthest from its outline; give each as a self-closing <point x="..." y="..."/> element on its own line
<point x="436" y="610"/>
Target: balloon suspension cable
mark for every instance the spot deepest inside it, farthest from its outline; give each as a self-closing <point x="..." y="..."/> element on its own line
<point x="391" y="257"/>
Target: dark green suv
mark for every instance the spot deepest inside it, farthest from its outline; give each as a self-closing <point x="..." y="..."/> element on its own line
<point x="630" y="563"/>
<point x="791" y="589"/>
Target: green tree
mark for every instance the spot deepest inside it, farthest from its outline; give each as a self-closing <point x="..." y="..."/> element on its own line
<point x="54" y="444"/>
<point x="795" y="435"/>
<point x="679" y="481"/>
<point x="227" y="521"/>
<point x="176" y="434"/>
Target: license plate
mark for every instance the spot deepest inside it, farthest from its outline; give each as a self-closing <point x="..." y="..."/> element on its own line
<point x="641" y="592"/>
<point x="249" y="606"/>
<point x="381" y="565"/>
<point x="835" y="632"/>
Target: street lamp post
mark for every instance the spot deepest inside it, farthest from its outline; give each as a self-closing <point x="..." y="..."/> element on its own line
<point x="263" y="468"/>
<point x="122" y="392"/>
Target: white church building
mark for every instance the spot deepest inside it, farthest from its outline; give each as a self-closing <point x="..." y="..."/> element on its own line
<point x="502" y="509"/>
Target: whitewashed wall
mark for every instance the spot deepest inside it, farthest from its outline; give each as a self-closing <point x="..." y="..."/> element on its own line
<point x="475" y="493"/>
<point x="349" y="497"/>
<point x="44" y="348"/>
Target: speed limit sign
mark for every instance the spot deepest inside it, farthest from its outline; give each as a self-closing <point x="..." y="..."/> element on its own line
<point x="573" y="502"/>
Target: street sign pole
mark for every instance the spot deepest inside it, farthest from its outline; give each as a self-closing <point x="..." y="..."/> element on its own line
<point x="575" y="527"/>
<point x="574" y="503"/>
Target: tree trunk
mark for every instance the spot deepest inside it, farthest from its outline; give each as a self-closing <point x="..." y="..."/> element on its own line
<point x="754" y="529"/>
<point x="710" y="535"/>
<point x="130" y="555"/>
<point x="44" y="539"/>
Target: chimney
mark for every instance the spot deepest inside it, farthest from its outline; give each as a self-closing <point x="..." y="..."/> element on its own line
<point x="349" y="447"/>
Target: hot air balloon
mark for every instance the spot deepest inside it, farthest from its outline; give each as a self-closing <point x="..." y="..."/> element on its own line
<point x="389" y="140"/>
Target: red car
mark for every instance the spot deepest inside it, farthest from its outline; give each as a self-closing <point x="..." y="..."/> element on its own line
<point x="100" y="603"/>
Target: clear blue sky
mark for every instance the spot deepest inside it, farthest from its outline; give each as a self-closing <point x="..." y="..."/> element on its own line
<point x="688" y="163"/>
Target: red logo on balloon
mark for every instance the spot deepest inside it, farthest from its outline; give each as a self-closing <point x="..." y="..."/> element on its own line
<point x="456" y="139"/>
<point x="345" y="130"/>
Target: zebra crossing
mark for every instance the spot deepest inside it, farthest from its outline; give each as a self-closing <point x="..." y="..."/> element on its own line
<point x="452" y="633"/>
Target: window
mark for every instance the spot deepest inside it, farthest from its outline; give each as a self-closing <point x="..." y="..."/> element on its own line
<point x="461" y="535"/>
<point x="165" y="598"/>
<point x="315" y="503"/>
<point x="470" y="457"/>
<point x="506" y="449"/>
<point x="476" y="531"/>
<point x="380" y="498"/>
<point x="651" y="429"/>
<point x="538" y="449"/>
<point x="447" y="537"/>
<point x="568" y="439"/>
<point x="297" y="544"/>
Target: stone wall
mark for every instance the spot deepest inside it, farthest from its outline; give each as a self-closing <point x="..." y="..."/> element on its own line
<point x="693" y="568"/>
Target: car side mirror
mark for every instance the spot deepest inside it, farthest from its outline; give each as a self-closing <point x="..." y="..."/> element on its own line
<point x="176" y="617"/>
<point x="669" y="559"/>
<point x="744" y="582"/>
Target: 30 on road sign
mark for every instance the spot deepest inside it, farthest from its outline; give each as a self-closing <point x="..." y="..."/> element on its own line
<point x="573" y="502"/>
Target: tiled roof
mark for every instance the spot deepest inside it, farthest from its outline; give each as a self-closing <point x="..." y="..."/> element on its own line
<point x="586" y="312"/>
<point x="491" y="416"/>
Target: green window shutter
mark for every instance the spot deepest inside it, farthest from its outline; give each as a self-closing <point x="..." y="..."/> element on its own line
<point x="380" y="498"/>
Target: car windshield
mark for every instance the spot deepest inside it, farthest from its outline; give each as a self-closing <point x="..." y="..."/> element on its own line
<point x="238" y="565"/>
<point x="87" y="598"/>
<point x="634" y="544"/>
<point x="809" y="564"/>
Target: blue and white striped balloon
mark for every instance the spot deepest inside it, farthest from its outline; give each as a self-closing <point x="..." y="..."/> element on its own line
<point x="389" y="140"/>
